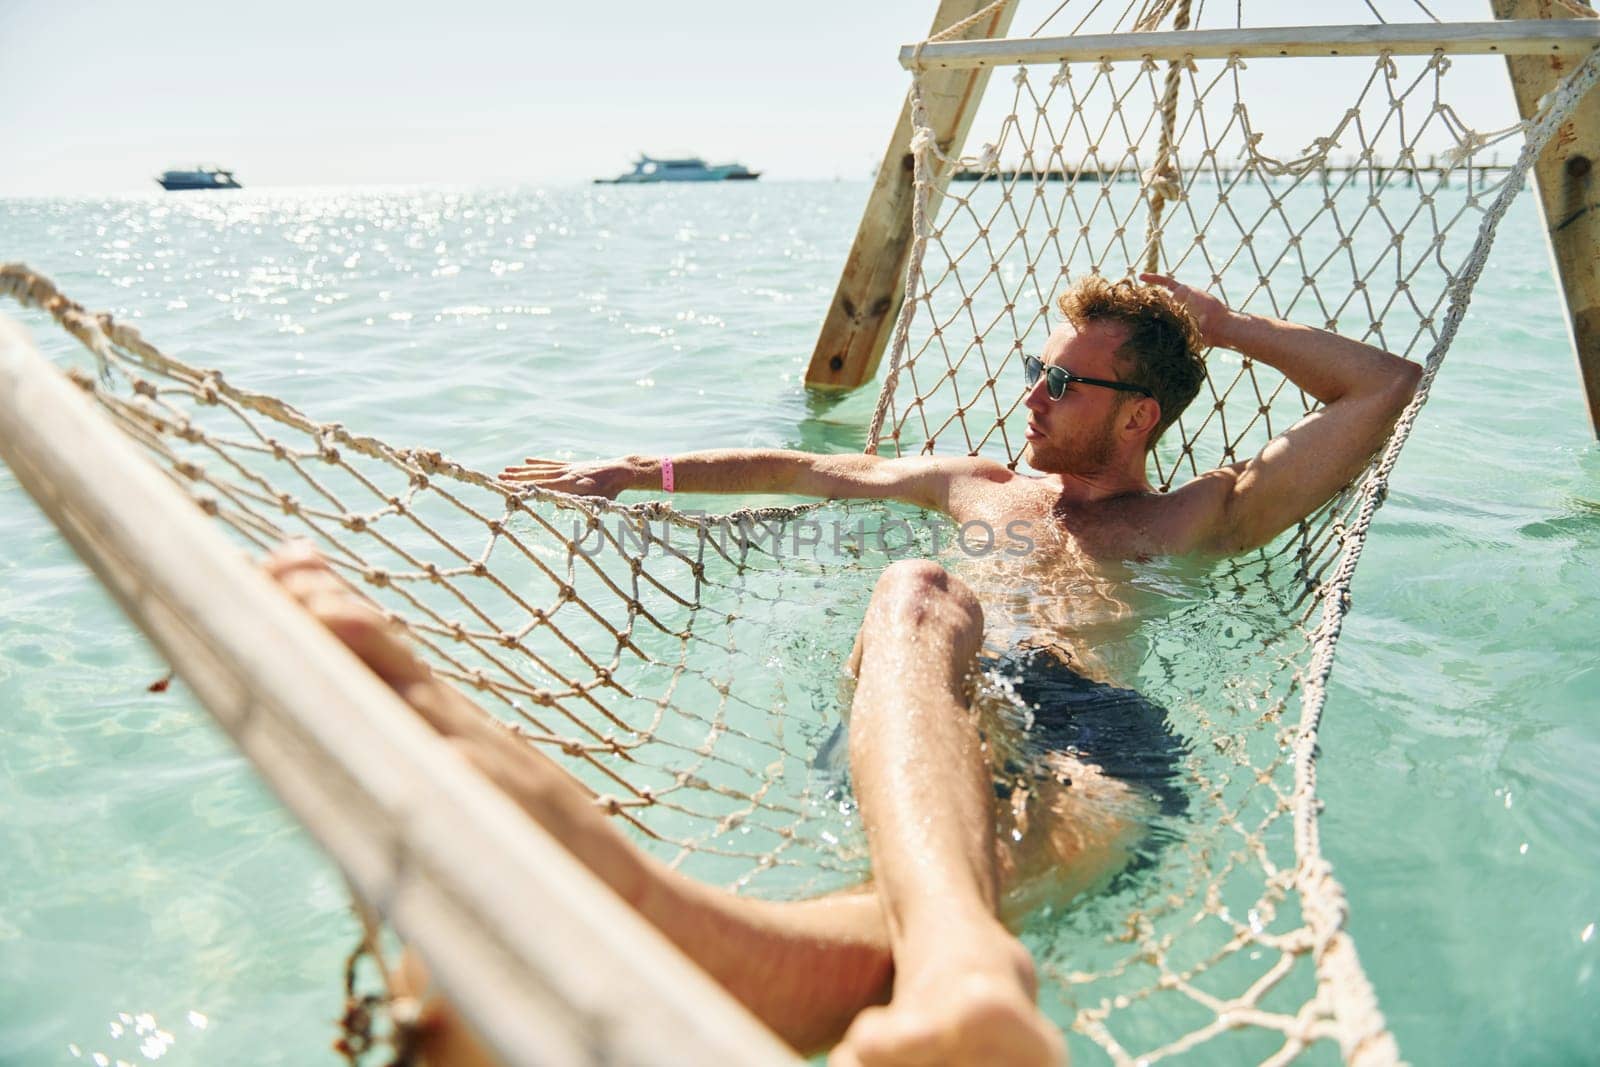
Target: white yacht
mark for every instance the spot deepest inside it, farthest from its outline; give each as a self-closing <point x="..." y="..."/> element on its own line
<point x="689" y="169"/>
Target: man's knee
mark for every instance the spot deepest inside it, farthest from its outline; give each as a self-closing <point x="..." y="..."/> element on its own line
<point x="921" y="592"/>
<point x="917" y="580"/>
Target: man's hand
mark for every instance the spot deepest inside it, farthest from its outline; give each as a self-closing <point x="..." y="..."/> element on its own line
<point x="1210" y="314"/>
<point x="606" y="477"/>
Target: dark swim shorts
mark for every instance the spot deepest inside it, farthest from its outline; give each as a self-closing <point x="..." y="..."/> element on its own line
<point x="1118" y="730"/>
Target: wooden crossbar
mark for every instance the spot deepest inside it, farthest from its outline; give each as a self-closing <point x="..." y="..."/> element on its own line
<point x="1510" y="38"/>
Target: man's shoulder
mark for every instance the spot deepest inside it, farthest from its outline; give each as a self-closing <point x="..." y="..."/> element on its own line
<point x="1207" y="486"/>
<point x="1197" y="512"/>
<point x="985" y="468"/>
<point x="1185" y="520"/>
<point x="980" y="468"/>
<point x="983" y="488"/>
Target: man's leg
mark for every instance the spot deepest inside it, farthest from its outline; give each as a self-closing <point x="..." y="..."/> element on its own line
<point x="804" y="968"/>
<point x="964" y="987"/>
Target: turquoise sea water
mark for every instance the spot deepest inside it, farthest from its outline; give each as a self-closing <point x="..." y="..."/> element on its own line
<point x="155" y="903"/>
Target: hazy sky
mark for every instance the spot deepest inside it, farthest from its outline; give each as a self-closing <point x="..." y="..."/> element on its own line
<point x="101" y="96"/>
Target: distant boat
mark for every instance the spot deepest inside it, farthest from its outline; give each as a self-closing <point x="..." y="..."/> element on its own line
<point x="693" y="169"/>
<point x="203" y="176"/>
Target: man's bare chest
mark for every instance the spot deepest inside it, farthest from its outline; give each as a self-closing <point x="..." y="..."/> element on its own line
<point x="1032" y="511"/>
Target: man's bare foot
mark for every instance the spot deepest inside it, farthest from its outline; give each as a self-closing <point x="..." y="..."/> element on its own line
<point x="362" y="628"/>
<point x="958" y="1005"/>
<point x="540" y="787"/>
<point x="804" y="968"/>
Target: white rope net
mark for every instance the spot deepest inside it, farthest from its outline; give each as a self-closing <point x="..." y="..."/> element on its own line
<point x="686" y="671"/>
<point x="621" y="638"/>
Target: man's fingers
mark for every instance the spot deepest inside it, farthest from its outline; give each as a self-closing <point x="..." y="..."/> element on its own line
<point x="542" y="481"/>
<point x="536" y="465"/>
<point x="1159" y="279"/>
<point x="579" y="479"/>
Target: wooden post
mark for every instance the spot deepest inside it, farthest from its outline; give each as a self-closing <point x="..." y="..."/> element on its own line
<point x="1569" y="192"/>
<point x="871" y="288"/>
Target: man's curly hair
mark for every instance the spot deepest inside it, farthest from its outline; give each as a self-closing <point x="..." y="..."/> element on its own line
<point x="1162" y="352"/>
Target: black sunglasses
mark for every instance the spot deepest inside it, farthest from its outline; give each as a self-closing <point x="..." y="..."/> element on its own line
<point x="1058" y="378"/>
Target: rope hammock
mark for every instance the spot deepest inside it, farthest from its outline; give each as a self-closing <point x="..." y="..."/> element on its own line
<point x="636" y="644"/>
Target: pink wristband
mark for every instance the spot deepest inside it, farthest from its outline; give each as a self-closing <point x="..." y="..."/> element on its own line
<point x="666" y="474"/>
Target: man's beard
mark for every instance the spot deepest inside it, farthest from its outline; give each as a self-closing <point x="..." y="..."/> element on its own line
<point x="1084" y="457"/>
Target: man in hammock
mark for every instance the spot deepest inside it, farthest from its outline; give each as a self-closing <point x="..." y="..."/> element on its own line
<point x="1111" y="378"/>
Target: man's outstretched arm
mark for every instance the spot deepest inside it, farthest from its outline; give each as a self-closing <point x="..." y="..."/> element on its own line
<point x="925" y="481"/>
<point x="1362" y="389"/>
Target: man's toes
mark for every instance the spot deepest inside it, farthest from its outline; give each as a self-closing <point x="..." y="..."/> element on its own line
<point x="291" y="556"/>
<point x="360" y="628"/>
<point x="349" y="616"/>
<point x="304" y="574"/>
<point x="313" y="587"/>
